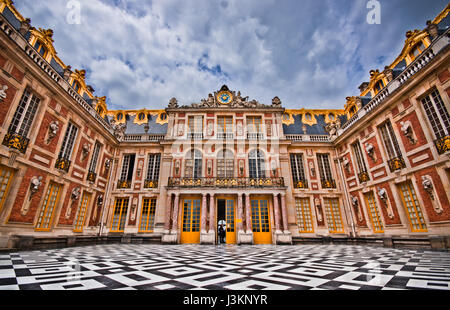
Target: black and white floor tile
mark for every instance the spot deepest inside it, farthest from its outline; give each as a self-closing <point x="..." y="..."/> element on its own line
<point x="195" y="267"/>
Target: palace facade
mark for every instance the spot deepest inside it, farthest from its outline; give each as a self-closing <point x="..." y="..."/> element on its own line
<point x="71" y="168"/>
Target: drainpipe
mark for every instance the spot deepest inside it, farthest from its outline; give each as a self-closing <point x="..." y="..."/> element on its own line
<point x="347" y="197"/>
<point x="108" y="191"/>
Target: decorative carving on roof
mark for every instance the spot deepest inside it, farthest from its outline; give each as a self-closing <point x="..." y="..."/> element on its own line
<point x="226" y="98"/>
<point x="333" y="127"/>
<point x="119" y="129"/>
<point x="25" y="26"/>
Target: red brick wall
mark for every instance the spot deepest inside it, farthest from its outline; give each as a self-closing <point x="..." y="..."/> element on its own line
<point x="383" y="208"/>
<point x="358" y="210"/>
<point x="17" y="74"/>
<point x="79" y="161"/>
<point x="6" y="104"/>
<point x="67" y="203"/>
<point x="96" y="214"/>
<point x="21" y="197"/>
<point x="440" y="193"/>
<point x="41" y="139"/>
<point x="417" y="129"/>
<point x="377" y="152"/>
<point x="444" y="76"/>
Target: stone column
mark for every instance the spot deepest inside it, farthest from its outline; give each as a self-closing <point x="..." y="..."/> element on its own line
<point x="240" y="213"/>
<point x="203" y="215"/>
<point x="276" y="212"/>
<point x="284" y="213"/>
<point x="175" y="213"/>
<point x="248" y="217"/>
<point x="168" y="211"/>
<point x="211" y="213"/>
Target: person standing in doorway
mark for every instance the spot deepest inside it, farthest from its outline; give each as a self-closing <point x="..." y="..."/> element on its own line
<point x="221" y="234"/>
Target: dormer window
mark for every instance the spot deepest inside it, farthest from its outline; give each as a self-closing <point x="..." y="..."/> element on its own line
<point x="120" y="117"/>
<point x="76" y="86"/>
<point x="40" y="48"/>
<point x="379" y="86"/>
<point x="100" y="110"/>
<point x="416" y="51"/>
<point x="352" y="111"/>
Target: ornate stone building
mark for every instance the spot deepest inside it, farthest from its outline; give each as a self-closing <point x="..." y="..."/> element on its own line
<point x="72" y="170"/>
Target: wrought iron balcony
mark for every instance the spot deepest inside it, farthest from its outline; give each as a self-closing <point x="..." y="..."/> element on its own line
<point x="397" y="163"/>
<point x="301" y="184"/>
<point x="151" y="184"/>
<point x="63" y="164"/>
<point x="328" y="183"/>
<point x="226" y="182"/>
<point x="124" y="184"/>
<point x="443" y="145"/>
<point x="17" y="142"/>
<point x="92" y="176"/>
<point x="363" y="177"/>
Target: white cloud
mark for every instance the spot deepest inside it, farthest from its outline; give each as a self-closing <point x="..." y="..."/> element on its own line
<point x="142" y="53"/>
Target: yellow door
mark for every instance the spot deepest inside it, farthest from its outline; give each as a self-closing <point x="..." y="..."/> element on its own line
<point x="261" y="221"/>
<point x="190" y="232"/>
<point x="231" y="221"/>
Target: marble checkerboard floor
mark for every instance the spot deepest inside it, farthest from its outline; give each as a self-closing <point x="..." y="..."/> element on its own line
<point x="186" y="267"/>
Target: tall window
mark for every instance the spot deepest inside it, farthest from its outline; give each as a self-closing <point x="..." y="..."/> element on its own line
<point x="193" y="168"/>
<point x="437" y="114"/>
<point x="326" y="176"/>
<point x="256" y="164"/>
<point x="94" y="160"/>
<point x="154" y="162"/>
<point x="254" y="124"/>
<point x="195" y="124"/>
<point x="392" y="147"/>
<point x="76" y="86"/>
<point x="48" y="208"/>
<point x="333" y="213"/>
<point x="412" y="206"/>
<point x="298" y="171"/>
<point x="225" y="124"/>
<point x="374" y="213"/>
<point x="119" y="215"/>
<point x="68" y="142"/>
<point x="304" y="218"/>
<point x="5" y="181"/>
<point x="379" y="86"/>
<point x="81" y="215"/>
<point x="361" y="164"/>
<point x="390" y="141"/>
<point x="24" y="115"/>
<point x="225" y="164"/>
<point x="128" y="167"/>
<point x="148" y="215"/>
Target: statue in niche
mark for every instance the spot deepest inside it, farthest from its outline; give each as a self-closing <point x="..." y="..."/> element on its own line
<point x="35" y="183"/>
<point x="119" y="130"/>
<point x="3" y="93"/>
<point x="53" y="129"/>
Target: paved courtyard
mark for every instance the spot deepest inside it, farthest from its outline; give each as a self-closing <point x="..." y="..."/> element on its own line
<point x="157" y="267"/>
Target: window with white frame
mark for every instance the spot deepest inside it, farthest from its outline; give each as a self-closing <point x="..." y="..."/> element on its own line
<point x="154" y="162"/>
<point x="193" y="167"/>
<point x="127" y="167"/>
<point x="225" y="164"/>
<point x="437" y="114"/>
<point x="297" y="168"/>
<point x="324" y="166"/>
<point x="24" y="115"/>
<point x="68" y="142"/>
<point x="95" y="155"/>
<point x="389" y="140"/>
<point x="256" y="164"/>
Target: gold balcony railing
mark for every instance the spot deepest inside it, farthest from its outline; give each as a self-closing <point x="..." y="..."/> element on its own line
<point x="226" y="182"/>
<point x="151" y="184"/>
<point x="443" y="145"/>
<point x="63" y="164"/>
<point x="397" y="163"/>
<point x="17" y="142"/>
<point x="124" y="184"/>
<point x="328" y="183"/>
<point x="301" y="184"/>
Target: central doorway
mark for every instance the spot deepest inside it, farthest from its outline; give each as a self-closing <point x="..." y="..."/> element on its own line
<point x="226" y="217"/>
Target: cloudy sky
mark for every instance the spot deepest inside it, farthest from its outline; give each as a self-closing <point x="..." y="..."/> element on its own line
<point x="310" y="53"/>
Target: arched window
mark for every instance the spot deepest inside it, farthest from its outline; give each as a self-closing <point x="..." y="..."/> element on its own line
<point x="193" y="168"/>
<point x="379" y="86"/>
<point x="256" y="164"/>
<point x="352" y="111"/>
<point x="100" y="111"/>
<point x="416" y="51"/>
<point x="225" y="164"/>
